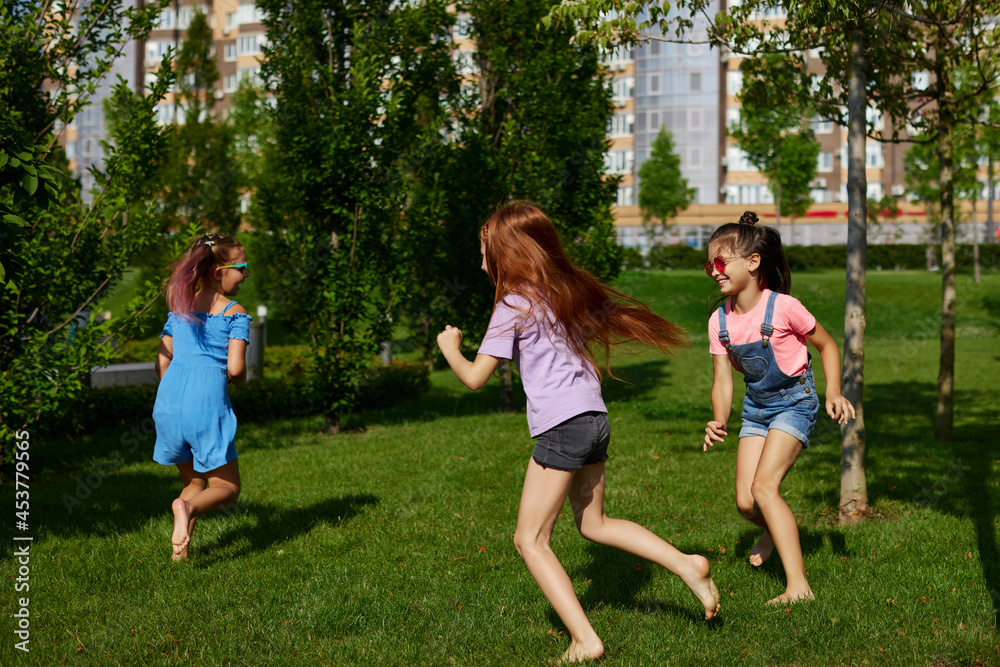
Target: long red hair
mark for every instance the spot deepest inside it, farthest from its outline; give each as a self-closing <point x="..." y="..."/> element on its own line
<point x="194" y="268"/>
<point x="525" y="256"/>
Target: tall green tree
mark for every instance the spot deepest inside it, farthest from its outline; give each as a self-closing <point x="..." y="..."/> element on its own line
<point x="778" y="141"/>
<point x="349" y="80"/>
<point x="528" y="122"/>
<point x="663" y="190"/>
<point x="870" y="52"/>
<point x="59" y="254"/>
<point x="201" y="183"/>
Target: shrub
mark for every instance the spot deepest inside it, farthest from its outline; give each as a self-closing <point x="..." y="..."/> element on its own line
<point x="632" y="259"/>
<point x="675" y="257"/>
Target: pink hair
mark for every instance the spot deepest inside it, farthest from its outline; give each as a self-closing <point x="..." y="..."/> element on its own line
<point x="191" y="272"/>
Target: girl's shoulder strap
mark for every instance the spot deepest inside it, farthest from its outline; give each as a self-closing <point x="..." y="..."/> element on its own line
<point x="228" y="306"/>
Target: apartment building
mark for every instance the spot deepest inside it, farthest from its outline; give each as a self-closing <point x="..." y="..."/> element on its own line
<point x="692" y="90"/>
<point x="238" y="37"/>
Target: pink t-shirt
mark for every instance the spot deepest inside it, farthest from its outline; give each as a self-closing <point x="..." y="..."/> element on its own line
<point x="791" y="322"/>
<point x="559" y="383"/>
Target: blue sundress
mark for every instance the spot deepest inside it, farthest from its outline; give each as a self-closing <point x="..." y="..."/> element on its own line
<point x="193" y="415"/>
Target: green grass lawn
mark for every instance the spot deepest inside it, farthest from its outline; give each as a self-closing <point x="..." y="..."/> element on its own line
<point x="392" y="545"/>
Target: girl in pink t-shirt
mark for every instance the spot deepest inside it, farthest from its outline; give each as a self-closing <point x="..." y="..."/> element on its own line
<point x="761" y="331"/>
<point x="548" y="316"/>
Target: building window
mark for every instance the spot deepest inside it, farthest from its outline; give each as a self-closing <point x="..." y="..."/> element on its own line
<point x="694" y="157"/>
<point x="250" y="44"/>
<point x="625" y="196"/>
<point x="734" y="81"/>
<point x="654" y="83"/>
<point x="229" y="83"/>
<point x="465" y="62"/>
<point x="824" y="162"/>
<point x="820" y="126"/>
<point x="164" y="114"/>
<point x="695" y="117"/>
<point x="873" y="156"/>
<point x="621" y="125"/>
<point x="184" y="16"/>
<point x="166" y="20"/>
<point x="732" y="118"/>
<point x="624" y="88"/>
<point x="251" y="74"/>
<point x="463" y="26"/>
<point x="619" y="162"/>
<point x="654" y="121"/>
<point x="694" y="82"/>
<point x="155" y="50"/>
<point x="248" y="12"/>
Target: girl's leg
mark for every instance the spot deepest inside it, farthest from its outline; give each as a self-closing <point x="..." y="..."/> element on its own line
<point x="586" y="496"/>
<point x="747" y="458"/>
<point x="542" y="498"/>
<point x="780" y="451"/>
<point x="194" y="483"/>
<point x="222" y="491"/>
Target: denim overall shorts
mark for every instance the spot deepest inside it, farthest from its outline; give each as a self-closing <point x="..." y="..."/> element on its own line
<point x="773" y="400"/>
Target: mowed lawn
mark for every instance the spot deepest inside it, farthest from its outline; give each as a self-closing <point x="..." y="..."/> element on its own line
<point x="392" y="545"/>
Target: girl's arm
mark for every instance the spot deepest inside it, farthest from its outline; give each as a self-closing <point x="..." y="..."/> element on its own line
<point x="164" y="356"/>
<point x="236" y="362"/>
<point x="837" y="406"/>
<point x="473" y="374"/>
<point x="722" y="400"/>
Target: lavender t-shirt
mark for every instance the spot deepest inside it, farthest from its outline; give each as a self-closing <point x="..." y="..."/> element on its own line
<point x="558" y="382"/>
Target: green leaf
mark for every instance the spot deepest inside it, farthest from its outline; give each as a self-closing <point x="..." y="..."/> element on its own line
<point x="30" y="183"/>
<point x="3" y="158"/>
<point x="12" y="219"/>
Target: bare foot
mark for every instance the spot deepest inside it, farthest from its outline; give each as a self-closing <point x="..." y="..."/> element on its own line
<point x="762" y="550"/>
<point x="699" y="579"/>
<point x="791" y="597"/>
<point x="582" y="651"/>
<point x="181" y="536"/>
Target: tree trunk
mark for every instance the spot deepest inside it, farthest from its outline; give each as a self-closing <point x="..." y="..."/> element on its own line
<point x="332" y="426"/>
<point x="506" y="386"/>
<point x="975" y="240"/>
<point x="990" y="224"/>
<point x="946" y="372"/>
<point x="853" y="485"/>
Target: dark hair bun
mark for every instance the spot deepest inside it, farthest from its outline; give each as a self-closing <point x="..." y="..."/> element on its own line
<point x="748" y="218"/>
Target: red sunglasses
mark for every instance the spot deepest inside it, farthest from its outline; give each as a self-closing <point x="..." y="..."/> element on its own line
<point x="719" y="263"/>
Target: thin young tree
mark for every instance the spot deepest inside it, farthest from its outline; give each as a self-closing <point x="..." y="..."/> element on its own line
<point x="663" y="190"/>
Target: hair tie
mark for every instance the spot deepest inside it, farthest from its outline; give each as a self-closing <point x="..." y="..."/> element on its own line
<point x="210" y="243"/>
<point x="748" y="218"/>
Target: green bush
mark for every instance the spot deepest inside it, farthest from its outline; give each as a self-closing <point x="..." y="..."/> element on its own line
<point x="888" y="256"/>
<point x="257" y="401"/>
<point x="675" y="257"/>
<point x="632" y="259"/>
<point x="286" y="360"/>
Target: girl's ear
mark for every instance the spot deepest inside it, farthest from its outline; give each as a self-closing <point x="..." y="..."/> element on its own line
<point x="753" y="262"/>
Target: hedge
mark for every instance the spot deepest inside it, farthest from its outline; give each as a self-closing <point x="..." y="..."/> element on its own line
<point x="884" y="256"/>
<point x="257" y="401"/>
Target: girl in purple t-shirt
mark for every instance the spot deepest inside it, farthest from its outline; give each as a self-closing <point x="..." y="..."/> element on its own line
<point x="761" y="331"/>
<point x="548" y="317"/>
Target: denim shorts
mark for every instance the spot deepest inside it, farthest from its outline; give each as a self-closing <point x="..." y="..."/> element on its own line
<point x="792" y="410"/>
<point x="577" y="442"/>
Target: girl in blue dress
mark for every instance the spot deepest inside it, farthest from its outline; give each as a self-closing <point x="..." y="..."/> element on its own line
<point x="202" y="348"/>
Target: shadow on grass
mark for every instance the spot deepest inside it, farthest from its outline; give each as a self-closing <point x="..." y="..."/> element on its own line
<point x="274" y="525"/>
<point x="616" y="579"/>
<point x="636" y="381"/>
<point x="910" y="466"/>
